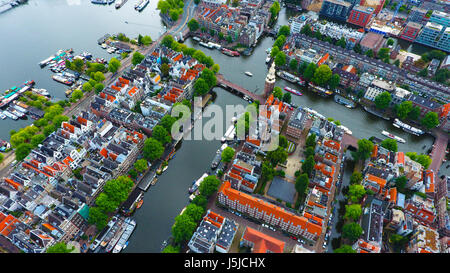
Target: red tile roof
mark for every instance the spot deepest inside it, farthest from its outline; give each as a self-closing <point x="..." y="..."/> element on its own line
<point x="263" y="243"/>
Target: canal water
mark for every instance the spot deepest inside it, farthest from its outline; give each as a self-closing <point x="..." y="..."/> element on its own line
<point x="32" y="32"/>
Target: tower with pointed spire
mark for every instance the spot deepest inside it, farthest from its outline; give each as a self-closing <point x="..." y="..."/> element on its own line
<point x="270" y="81"/>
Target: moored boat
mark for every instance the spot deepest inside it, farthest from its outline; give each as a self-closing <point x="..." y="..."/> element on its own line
<point x="293" y="91"/>
<point x="407" y="128"/>
<point x="248" y="73"/>
<point x="389" y="135"/>
<point x="62" y="79"/>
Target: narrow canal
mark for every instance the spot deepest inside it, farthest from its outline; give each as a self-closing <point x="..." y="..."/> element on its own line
<point x="37" y="30"/>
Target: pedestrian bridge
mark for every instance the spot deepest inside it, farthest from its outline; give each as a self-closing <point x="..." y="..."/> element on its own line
<point x="236" y="89"/>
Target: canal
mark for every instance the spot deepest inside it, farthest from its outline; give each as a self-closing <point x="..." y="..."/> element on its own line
<point x="37" y="30"/>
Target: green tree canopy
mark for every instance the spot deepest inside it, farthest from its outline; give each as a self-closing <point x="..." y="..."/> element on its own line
<point x="277" y="92"/>
<point x="308" y="165"/>
<point x="209" y="185"/>
<point x="344" y="249"/>
<point x="227" y="154"/>
<point x="293" y="64"/>
<point x="114" y="65"/>
<point x="141" y="165"/>
<point x="356" y="192"/>
<point x="284" y="30"/>
<point x="430" y="120"/>
<point x="201" y="87"/>
<point x="160" y="133"/>
<point x="287" y="97"/>
<point x="153" y="149"/>
<point x="390" y="144"/>
<point x="183" y="228"/>
<point x="310" y="71"/>
<point x="356" y="178"/>
<point x="274" y="51"/>
<point x="301" y="185"/>
<point x="193" y="25"/>
<point x="195" y="212"/>
<point x="352" y="231"/>
<point x="277" y="156"/>
<point x="403" y="109"/>
<point x="280" y="59"/>
<point x="353" y="212"/>
<point x="364" y="151"/>
<point x="97" y="217"/>
<point x="60" y="247"/>
<point x="334" y="81"/>
<point x="382" y="100"/>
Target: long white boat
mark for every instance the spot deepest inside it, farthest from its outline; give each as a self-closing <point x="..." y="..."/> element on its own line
<point x="389" y="135"/>
<point x="10" y="115"/>
<point x="407" y="128"/>
<point x="197" y="183"/>
<point x="123" y="241"/>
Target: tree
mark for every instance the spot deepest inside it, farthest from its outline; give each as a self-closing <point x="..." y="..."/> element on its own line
<point x="293" y="64"/>
<point x="424" y="160"/>
<point x="309" y="71"/>
<point x="306" y="29"/>
<point x="390" y="144"/>
<point x="383" y="53"/>
<point x="137" y="58"/>
<point x="352" y="231"/>
<point x="49" y="129"/>
<point x="87" y="87"/>
<point x="301" y="185"/>
<point x="60" y="247"/>
<point x="165" y="68"/>
<point x="302" y="67"/>
<point x="277" y="92"/>
<point x="356" y="178"/>
<point x="404" y="108"/>
<point x="280" y="59"/>
<point x="215" y="68"/>
<point x="284" y="30"/>
<point x="201" y="87"/>
<point x="209" y="77"/>
<point x="282" y="141"/>
<point x="153" y="149"/>
<point x="209" y="185"/>
<point x="99" y="76"/>
<point x="229" y="39"/>
<point x="311" y="141"/>
<point x="423" y="72"/>
<point x="274" y="10"/>
<point x="106" y="204"/>
<point x="341" y="42"/>
<point x="97" y="217"/>
<point x="200" y="200"/>
<point x="356" y="192"/>
<point x="212" y="32"/>
<point x="58" y="119"/>
<point x="430" y="120"/>
<point x="78" y="65"/>
<point x="194" y="211"/>
<point x="160" y="133"/>
<point x="23" y="150"/>
<point x="193" y="25"/>
<point x="141" y="165"/>
<point x="167" y="41"/>
<point x="344" y="249"/>
<point x="308" y="165"/>
<point x="369" y="53"/>
<point x="274" y="51"/>
<point x="415" y="113"/>
<point x="99" y="87"/>
<point x="287" y="97"/>
<point x="183" y="228"/>
<point x="227" y="154"/>
<point x="390" y="42"/>
<point x="382" y="100"/>
<point x="353" y="211"/>
<point x="114" y="65"/>
<point x="76" y="95"/>
<point x="442" y="75"/>
<point x="279" y="42"/>
<point x="309" y="151"/>
<point x="173" y="13"/>
<point x="400" y="183"/>
<point x="334" y="81"/>
<point x="277" y="156"/>
<point x="37" y="139"/>
<point x="357" y="48"/>
<point x="167" y="122"/>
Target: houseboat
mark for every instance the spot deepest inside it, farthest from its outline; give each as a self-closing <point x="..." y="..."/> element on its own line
<point x="407" y="128"/>
<point x="10" y="115"/>
<point x="123" y="241"/>
<point x="61" y="79"/>
<point x="197" y="183"/>
<point x="230" y="52"/>
<point x="207" y="45"/>
<point x="288" y="76"/>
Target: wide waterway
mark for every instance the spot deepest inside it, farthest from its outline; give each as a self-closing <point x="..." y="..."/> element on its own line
<point x="32" y="32"/>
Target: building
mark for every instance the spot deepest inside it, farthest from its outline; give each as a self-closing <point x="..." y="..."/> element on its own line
<point x="268" y="213"/>
<point x="425" y="105"/>
<point x="377" y="5"/>
<point x="360" y="15"/>
<point x="435" y="35"/>
<point x="424" y="240"/>
<point x="422" y="209"/>
<point x="410" y="31"/>
<point x="362" y="246"/>
<point x="374" y="183"/>
<point x="335" y="9"/>
<point x="417" y="15"/>
<point x="270" y="81"/>
<point x="372" y="41"/>
<point x="260" y="242"/>
<point x="372" y="223"/>
<point x="296" y="123"/>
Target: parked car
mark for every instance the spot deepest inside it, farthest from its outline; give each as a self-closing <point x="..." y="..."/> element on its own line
<point x="294" y="238"/>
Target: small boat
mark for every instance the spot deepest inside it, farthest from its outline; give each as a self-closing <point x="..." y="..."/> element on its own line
<point x="389" y="135"/>
<point x="197" y="39"/>
<point x="293" y="91"/>
<point x="248" y="73"/>
<point x="41" y="91"/>
<point x="2" y="116"/>
<point x="154" y="181"/>
<point x="268" y="59"/>
<point x="139" y="204"/>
